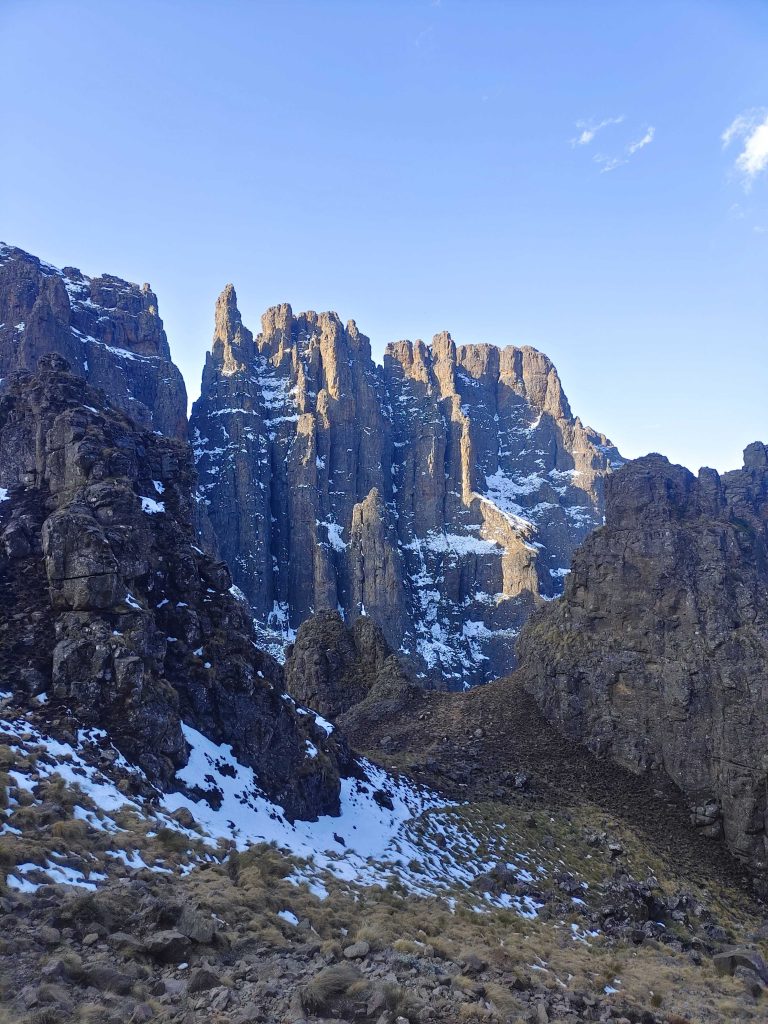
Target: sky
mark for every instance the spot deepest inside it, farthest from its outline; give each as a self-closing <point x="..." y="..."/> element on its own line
<point x="590" y="178"/>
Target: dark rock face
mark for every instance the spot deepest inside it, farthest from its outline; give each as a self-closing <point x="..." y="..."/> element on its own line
<point x="109" y="607"/>
<point x="441" y="495"/>
<point x="657" y="654"/>
<point x="108" y="330"/>
<point x="335" y="668"/>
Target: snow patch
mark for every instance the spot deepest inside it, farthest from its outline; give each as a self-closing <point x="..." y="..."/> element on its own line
<point x="151" y="506"/>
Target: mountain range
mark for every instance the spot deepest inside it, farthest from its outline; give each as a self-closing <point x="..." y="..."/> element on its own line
<point x="227" y="650"/>
<point x="442" y="494"/>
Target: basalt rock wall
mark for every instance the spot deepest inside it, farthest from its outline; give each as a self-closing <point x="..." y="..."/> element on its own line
<point x="441" y="494"/>
<point x="657" y="653"/>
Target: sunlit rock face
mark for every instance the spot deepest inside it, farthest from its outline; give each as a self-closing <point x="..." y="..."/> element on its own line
<point x="107" y="329"/>
<point x="442" y="494"/>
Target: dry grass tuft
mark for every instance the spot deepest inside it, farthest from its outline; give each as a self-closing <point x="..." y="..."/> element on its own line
<point x="327" y="986"/>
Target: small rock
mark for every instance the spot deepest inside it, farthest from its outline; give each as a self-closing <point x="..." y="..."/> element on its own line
<point x="56" y="970"/>
<point x="107" y="979"/>
<point x="357" y="950"/>
<point x="169" y="946"/>
<point x="29" y="996"/>
<point x="47" y="936"/>
<point x="203" y="979"/>
<point x="174" y="986"/>
<point x="220" y="999"/>
<point x="125" y="942"/>
<point x="196" y="925"/>
<point x="251" y="1014"/>
<point x="474" y="964"/>
<point x="184" y="817"/>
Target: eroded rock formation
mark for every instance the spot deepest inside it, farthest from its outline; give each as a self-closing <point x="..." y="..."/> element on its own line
<point x="338" y="669"/>
<point x="114" y="615"/>
<point x="107" y="329"/>
<point x="657" y="654"/>
<point x="442" y="495"/>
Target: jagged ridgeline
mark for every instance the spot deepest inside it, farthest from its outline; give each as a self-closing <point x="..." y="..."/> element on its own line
<point x="442" y="493"/>
<point x="107" y="329"/>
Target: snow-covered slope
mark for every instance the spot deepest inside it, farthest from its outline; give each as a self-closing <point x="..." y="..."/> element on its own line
<point x="388" y="827"/>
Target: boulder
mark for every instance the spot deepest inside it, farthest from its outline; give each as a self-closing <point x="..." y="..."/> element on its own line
<point x="169" y="946"/>
<point x="728" y="961"/>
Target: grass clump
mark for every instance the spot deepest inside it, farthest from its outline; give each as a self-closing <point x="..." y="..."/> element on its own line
<point x="328" y="986"/>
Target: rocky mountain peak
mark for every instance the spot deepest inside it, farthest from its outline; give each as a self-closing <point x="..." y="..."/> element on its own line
<point x="233" y="348"/>
<point x="108" y="329"/>
<point x="399" y="492"/>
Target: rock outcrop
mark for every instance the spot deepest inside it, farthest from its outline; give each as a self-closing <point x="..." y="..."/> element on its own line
<point x="111" y="613"/>
<point x="107" y="329"/>
<point x="346" y="671"/>
<point x="442" y="494"/>
<point x="657" y="654"/>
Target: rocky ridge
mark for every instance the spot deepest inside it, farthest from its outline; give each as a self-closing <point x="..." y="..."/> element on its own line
<point x="115" y="618"/>
<point x="441" y="494"/>
<point x="657" y="654"/>
<point x="107" y="329"/>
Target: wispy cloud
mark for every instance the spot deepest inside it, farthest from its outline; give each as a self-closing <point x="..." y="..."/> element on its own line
<point x="751" y="129"/>
<point x="589" y="129"/>
<point x="609" y="162"/>
<point x="644" y="141"/>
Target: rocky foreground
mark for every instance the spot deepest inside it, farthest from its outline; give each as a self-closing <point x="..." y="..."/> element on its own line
<point x="121" y="903"/>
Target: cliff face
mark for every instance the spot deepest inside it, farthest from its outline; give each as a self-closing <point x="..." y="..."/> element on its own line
<point x="107" y="329"/>
<point x="657" y="654"/>
<point x="442" y="494"/>
<point x="110" y="612"/>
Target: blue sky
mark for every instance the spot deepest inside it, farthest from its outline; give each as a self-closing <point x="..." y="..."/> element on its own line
<point x="467" y="165"/>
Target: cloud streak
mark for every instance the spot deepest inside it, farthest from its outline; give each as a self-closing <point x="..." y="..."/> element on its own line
<point x="608" y="163"/>
<point x="751" y="129"/>
<point x="589" y="129"/>
<point x="644" y="141"/>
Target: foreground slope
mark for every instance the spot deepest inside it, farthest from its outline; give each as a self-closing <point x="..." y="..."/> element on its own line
<point x="441" y="494"/>
<point x="124" y="902"/>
